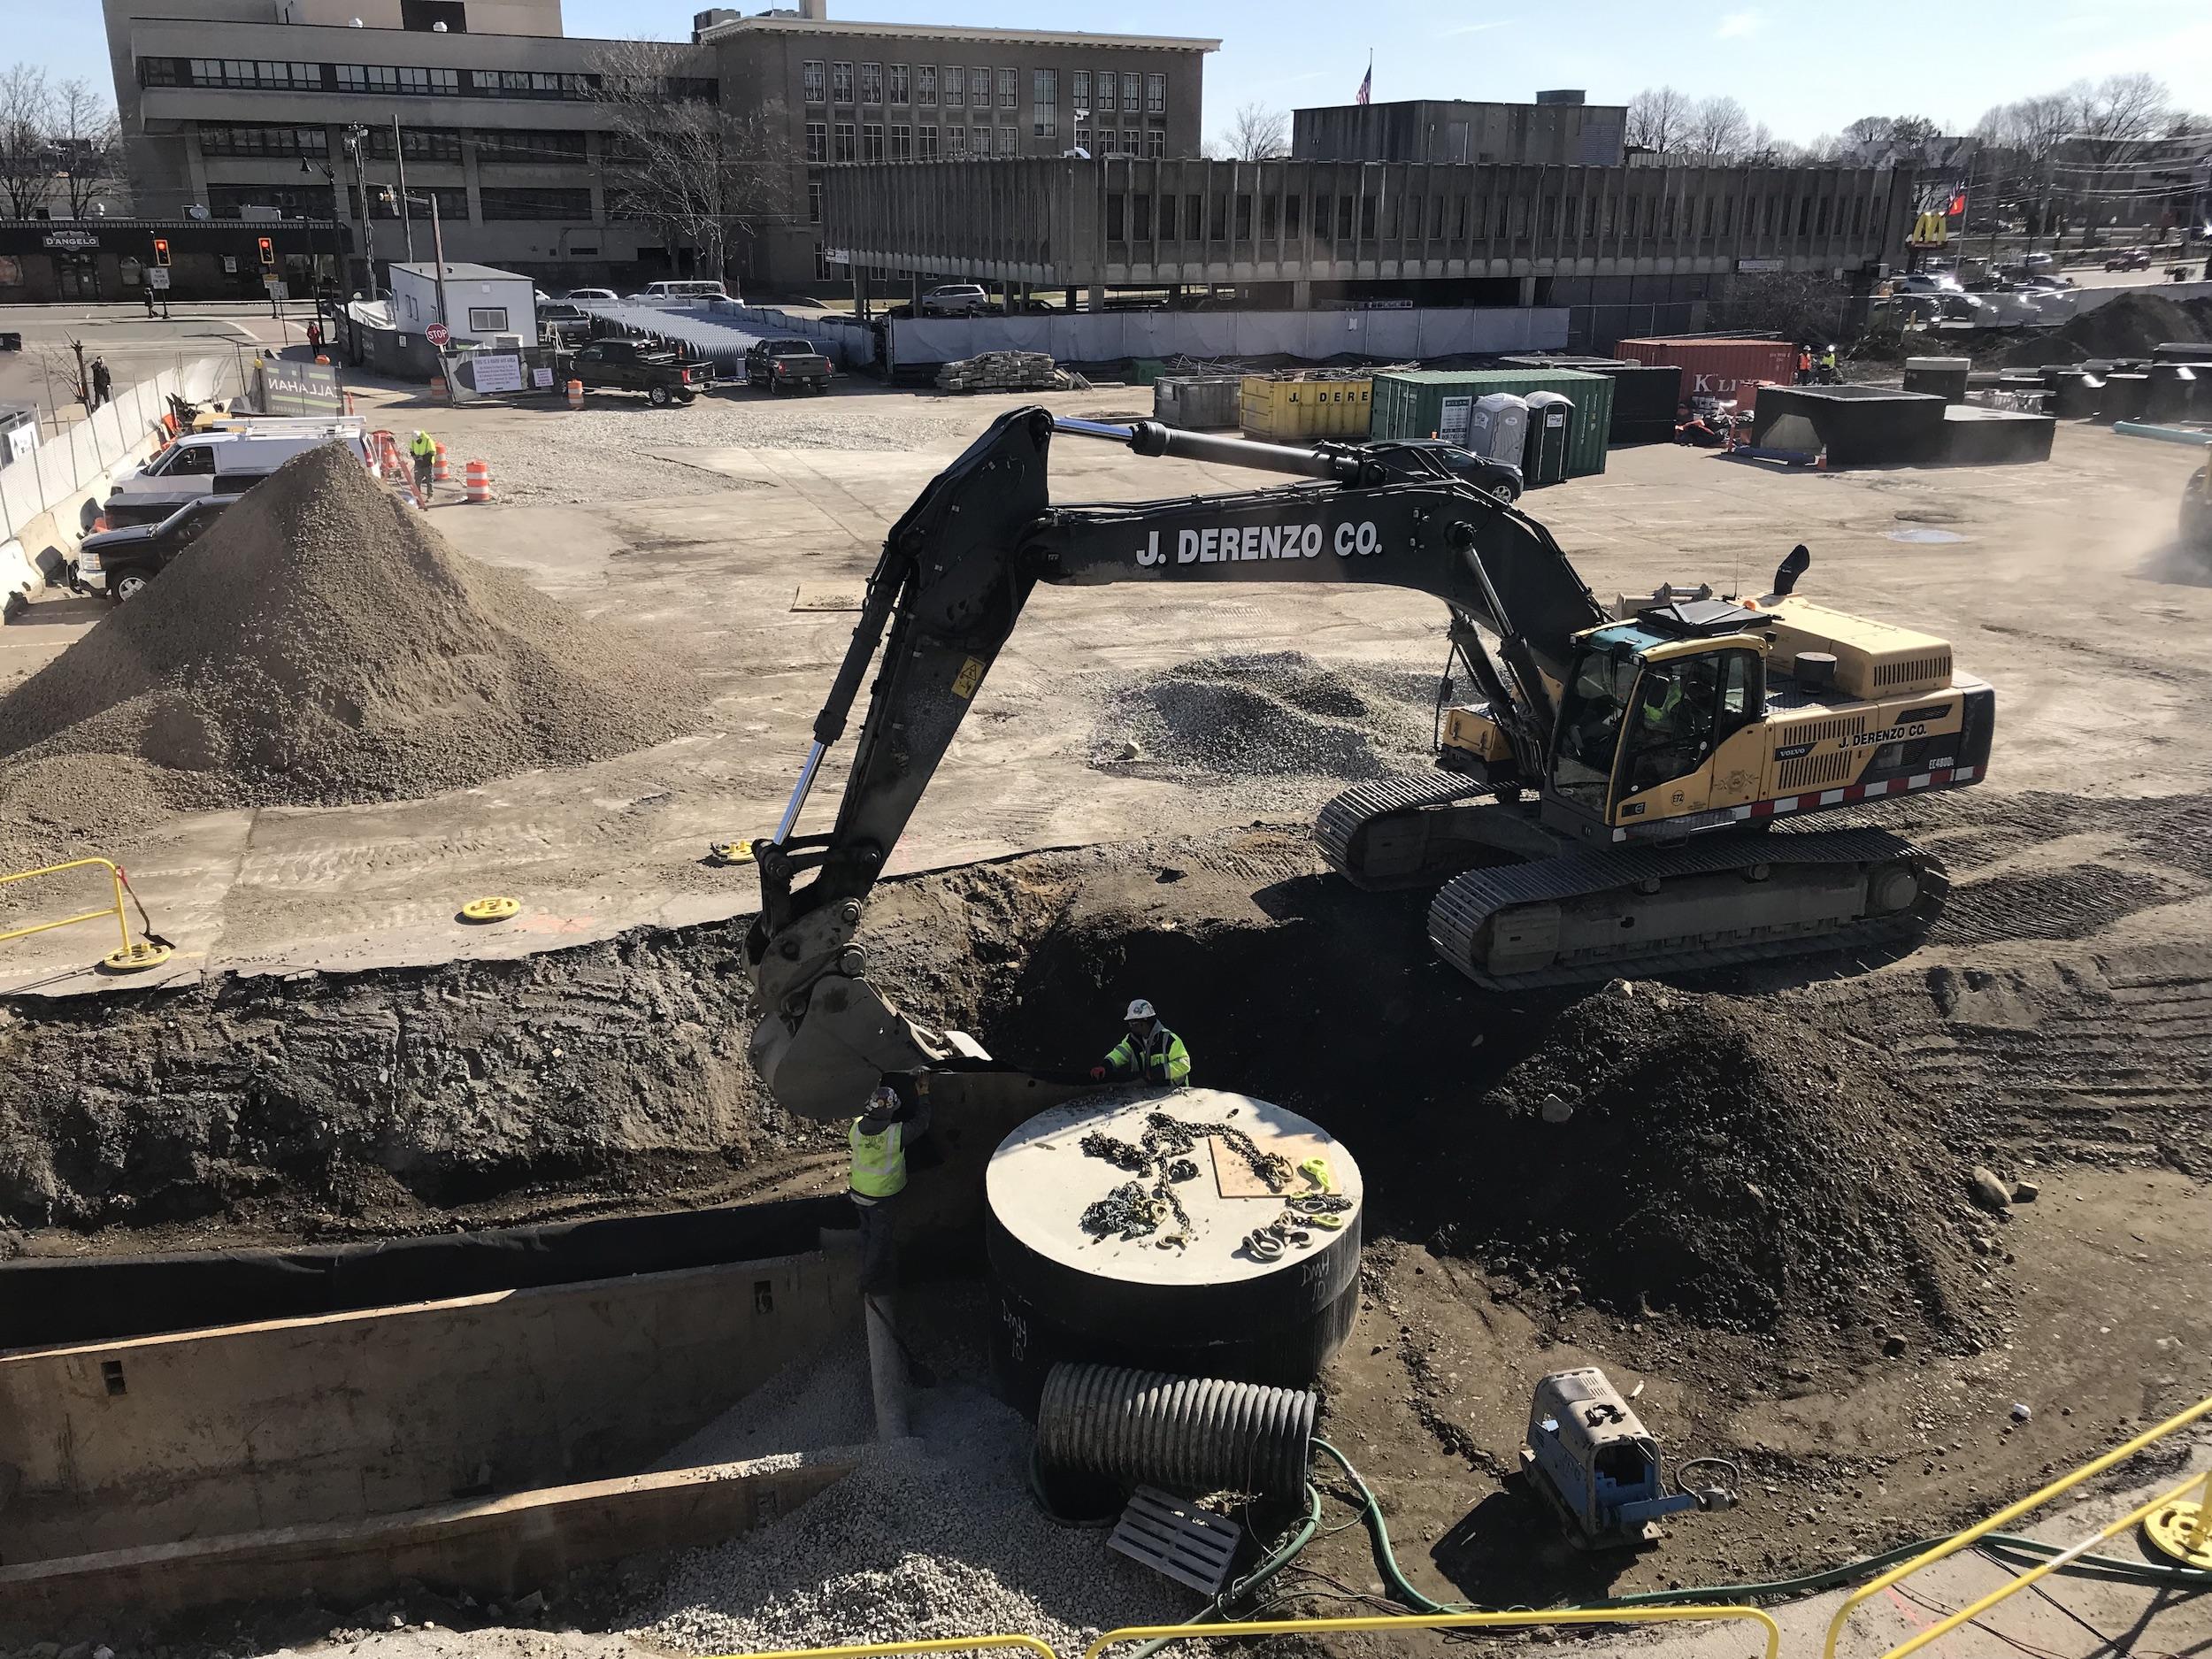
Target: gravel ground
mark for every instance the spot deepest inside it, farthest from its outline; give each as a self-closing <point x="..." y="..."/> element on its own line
<point x="595" y="454"/>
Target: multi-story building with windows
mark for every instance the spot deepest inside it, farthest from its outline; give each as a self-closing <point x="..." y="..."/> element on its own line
<point x="241" y="107"/>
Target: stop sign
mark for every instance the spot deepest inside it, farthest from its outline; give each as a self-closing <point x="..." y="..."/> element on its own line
<point x="437" y="334"/>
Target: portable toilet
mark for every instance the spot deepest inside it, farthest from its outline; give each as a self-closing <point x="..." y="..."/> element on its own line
<point x="1497" y="427"/>
<point x="1550" y="426"/>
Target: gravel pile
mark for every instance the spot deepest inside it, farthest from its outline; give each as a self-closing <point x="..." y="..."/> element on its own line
<point x="932" y="1537"/>
<point x="1271" y="715"/>
<point x="2130" y="326"/>
<point x="322" y="644"/>
<point x="593" y="454"/>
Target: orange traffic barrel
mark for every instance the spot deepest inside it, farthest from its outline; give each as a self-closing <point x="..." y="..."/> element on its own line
<point x="575" y="394"/>
<point x="476" y="481"/>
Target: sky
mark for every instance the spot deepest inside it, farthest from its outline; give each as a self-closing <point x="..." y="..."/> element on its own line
<point x="1796" y="64"/>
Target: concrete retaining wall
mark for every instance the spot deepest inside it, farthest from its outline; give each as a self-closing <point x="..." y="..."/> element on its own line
<point x="294" y="1422"/>
<point x="1394" y="336"/>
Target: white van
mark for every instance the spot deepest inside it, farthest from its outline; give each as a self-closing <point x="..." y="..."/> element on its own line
<point x="685" y="293"/>
<point x="220" y="463"/>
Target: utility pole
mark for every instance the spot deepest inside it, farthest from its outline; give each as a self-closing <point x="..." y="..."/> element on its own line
<point x="355" y="136"/>
<point x="399" y="160"/>
<point x="437" y="249"/>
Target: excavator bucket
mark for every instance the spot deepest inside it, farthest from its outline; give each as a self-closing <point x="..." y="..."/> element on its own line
<point x="822" y="1064"/>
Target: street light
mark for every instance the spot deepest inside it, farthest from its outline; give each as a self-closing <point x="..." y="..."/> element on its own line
<point x="337" y="250"/>
<point x="355" y="136"/>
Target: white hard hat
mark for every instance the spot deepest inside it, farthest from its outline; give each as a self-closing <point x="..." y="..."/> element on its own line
<point x="1141" y="1009"/>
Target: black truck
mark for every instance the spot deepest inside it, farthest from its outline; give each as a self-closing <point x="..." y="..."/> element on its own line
<point x="630" y="366"/>
<point x="120" y="562"/>
<point x="783" y="366"/>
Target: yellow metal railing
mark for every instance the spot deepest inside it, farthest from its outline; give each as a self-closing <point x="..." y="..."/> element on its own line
<point x="133" y="954"/>
<point x="1974" y="1534"/>
<point x="1445" y="1621"/>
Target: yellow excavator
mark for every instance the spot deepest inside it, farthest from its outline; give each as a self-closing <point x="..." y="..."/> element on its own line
<point x="1626" y="794"/>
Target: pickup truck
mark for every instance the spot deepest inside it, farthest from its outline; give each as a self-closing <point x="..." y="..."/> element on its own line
<point x="627" y="365"/>
<point x="787" y="365"/>
<point x="120" y="562"/>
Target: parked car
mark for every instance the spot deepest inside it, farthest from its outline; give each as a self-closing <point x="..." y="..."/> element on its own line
<point x="686" y="292"/>
<point x="2129" y="259"/>
<point x="628" y="365"/>
<point x="955" y="299"/>
<point x="1436" y="457"/>
<point x="782" y="366"/>
<point x="2039" y="262"/>
<point x="1926" y="282"/>
<point x="121" y="563"/>
<point x="574" y="294"/>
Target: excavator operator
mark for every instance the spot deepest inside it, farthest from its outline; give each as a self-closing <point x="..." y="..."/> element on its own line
<point x="1150" y="1052"/>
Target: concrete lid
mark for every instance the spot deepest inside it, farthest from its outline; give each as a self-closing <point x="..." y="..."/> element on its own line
<point x="1041" y="1180"/>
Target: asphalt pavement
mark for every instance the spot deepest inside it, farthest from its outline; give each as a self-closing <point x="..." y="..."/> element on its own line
<point x="135" y="346"/>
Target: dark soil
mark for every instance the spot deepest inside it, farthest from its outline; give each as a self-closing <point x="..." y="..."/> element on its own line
<point x="2130" y="326"/>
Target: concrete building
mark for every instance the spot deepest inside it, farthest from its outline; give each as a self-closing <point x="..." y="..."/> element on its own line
<point x="244" y="106"/>
<point x="1559" y="130"/>
<point x="1607" y="241"/>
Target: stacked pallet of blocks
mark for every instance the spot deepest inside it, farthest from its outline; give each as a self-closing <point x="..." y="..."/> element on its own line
<point x="1002" y="371"/>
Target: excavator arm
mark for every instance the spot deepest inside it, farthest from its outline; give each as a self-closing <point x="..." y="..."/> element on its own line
<point x="956" y="571"/>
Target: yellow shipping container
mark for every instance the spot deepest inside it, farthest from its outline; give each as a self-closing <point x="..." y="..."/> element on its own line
<point x="1279" y="407"/>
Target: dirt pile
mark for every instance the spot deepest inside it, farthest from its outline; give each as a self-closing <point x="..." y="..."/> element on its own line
<point x="1729" y="1161"/>
<point x="1275" y="714"/>
<point x="322" y="644"/>
<point x="2130" y="326"/>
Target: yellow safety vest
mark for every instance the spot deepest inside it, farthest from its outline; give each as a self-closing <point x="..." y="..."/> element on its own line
<point x="878" y="1161"/>
<point x="422" y="443"/>
<point x="1160" y="1058"/>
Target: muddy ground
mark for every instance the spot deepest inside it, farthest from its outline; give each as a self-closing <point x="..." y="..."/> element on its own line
<point x="1859" y="1351"/>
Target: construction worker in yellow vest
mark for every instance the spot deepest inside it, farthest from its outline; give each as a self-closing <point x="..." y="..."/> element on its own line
<point x="424" y="448"/>
<point x="1150" y="1053"/>
<point x="879" y="1138"/>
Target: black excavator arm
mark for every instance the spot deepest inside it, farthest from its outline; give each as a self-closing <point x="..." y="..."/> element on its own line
<point x="956" y="571"/>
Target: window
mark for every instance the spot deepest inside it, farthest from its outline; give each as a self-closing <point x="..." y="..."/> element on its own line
<point x="259" y="73"/>
<point x="817" y="141"/>
<point x="1155" y="142"/>
<point x="956" y="87"/>
<point x="823" y="269"/>
<point x="162" y="71"/>
<point x="1079" y="88"/>
<point x="1046" y="83"/>
<point x="530" y="83"/>
<point x="957" y="140"/>
<point x="224" y="201"/>
<point x="1194" y="218"/>
<point x="488" y="319"/>
<point x="928" y="151"/>
<point x="1219" y="229"/>
<point x="899" y="88"/>
<point x="1291" y="205"/>
<point x="1156" y="95"/>
<point x="526" y="148"/>
<point x="848" y="150"/>
<point x="982" y="141"/>
<point x="1106" y="92"/>
<point x="1083" y="137"/>
<point x="1009" y="89"/>
<point x="925" y="86"/>
<point x="418" y="143"/>
<point x="1117" y="229"/>
<point x="841" y="83"/>
<point x="1009" y="141"/>
<point x="901" y="143"/>
<point x="811" y="78"/>
<point x="1321" y="219"/>
<point x="813" y="201"/>
<point x="1167" y="218"/>
<point x="264" y="141"/>
<point x="871" y="141"/>
<point x="872" y="83"/>
<point x="1267" y="216"/>
<point x="1129" y="95"/>
<point x="535" y="203"/>
<point x="1244" y="217"/>
<point x="1141" y="218"/>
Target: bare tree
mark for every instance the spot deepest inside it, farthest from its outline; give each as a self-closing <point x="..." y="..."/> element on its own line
<point x="2121" y="109"/>
<point x="27" y="161"/>
<point x="1657" y="119"/>
<point x="89" y="142"/>
<point x="1717" y="130"/>
<point x="710" y="177"/>
<point x="1256" y="133"/>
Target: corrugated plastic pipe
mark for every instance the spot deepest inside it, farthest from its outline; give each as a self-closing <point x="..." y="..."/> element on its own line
<point x="1189" y="1434"/>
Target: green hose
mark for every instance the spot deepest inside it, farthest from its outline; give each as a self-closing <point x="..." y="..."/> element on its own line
<point x="1378" y="1535"/>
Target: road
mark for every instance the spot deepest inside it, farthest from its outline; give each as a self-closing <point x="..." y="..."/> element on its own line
<point x="135" y="346"/>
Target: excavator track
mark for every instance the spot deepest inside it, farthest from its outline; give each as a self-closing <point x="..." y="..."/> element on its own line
<point x="1346" y="822"/>
<point x="1665" y="910"/>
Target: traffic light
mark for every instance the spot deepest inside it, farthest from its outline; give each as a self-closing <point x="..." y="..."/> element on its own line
<point x="161" y="250"/>
<point x="268" y="250"/>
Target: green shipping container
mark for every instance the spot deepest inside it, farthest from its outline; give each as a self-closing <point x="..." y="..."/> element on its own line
<point x="1425" y="403"/>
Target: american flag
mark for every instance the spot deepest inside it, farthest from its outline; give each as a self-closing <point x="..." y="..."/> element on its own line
<point x="1366" y="86"/>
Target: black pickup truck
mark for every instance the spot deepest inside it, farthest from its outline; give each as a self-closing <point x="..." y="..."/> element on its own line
<point x="627" y="365"/>
<point x="782" y="367"/>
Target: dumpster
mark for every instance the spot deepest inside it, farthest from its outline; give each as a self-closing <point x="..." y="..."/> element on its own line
<point x="1198" y="402"/>
<point x="1544" y="460"/>
<point x="1280" y="407"/>
<point x="1441" y="403"/>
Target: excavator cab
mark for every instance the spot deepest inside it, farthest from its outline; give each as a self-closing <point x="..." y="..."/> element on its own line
<point x="1660" y="720"/>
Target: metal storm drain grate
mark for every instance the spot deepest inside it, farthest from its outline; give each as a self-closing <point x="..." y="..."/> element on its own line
<point x="1173" y="1536"/>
